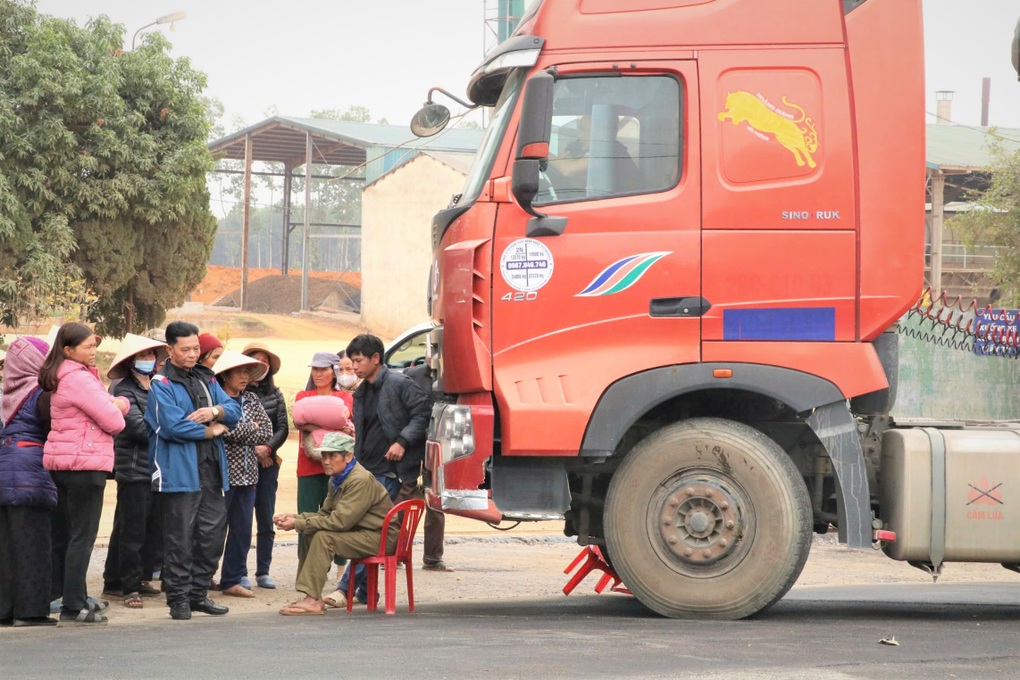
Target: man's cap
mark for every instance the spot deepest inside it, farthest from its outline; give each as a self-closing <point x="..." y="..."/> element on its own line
<point x="336" y="441"/>
<point x="324" y="360"/>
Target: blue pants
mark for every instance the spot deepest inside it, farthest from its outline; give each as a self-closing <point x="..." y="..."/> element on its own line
<point x="240" y="502"/>
<point x="392" y="485"/>
<point x="265" y="508"/>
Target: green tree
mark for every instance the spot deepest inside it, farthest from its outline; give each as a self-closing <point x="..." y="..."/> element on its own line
<point x="996" y="219"/>
<point x="102" y="170"/>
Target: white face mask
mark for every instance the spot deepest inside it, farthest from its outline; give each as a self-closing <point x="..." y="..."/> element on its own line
<point x="346" y="379"/>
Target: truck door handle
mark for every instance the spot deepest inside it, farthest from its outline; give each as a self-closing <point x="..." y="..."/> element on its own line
<point x="679" y="306"/>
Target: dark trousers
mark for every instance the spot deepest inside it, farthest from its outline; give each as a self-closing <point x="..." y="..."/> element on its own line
<point x="435" y="521"/>
<point x="194" y="527"/>
<point x="240" y="501"/>
<point x="79" y="507"/>
<point x="25" y="562"/>
<point x="265" y="508"/>
<point x="133" y="523"/>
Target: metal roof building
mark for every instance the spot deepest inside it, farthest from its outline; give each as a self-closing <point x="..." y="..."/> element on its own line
<point x="296" y="142"/>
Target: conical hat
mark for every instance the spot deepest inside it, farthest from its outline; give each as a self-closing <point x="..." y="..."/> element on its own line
<point x="229" y="360"/>
<point x="131" y="345"/>
<point x="274" y="361"/>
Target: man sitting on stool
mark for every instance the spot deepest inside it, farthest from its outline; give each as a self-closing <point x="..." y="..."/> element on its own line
<point x="349" y="523"/>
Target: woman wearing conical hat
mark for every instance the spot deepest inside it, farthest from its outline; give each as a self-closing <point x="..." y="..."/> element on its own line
<point x="135" y="525"/>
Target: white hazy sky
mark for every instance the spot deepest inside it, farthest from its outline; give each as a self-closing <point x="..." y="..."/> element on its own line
<point x="300" y="55"/>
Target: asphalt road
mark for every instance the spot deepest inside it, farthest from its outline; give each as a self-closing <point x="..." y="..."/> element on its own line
<point x="968" y="630"/>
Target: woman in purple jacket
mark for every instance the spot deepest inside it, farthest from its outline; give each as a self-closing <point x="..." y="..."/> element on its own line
<point x="27" y="492"/>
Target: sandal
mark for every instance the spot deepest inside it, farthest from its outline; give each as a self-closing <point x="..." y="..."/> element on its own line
<point x="147" y="588"/>
<point x="295" y="609"/>
<point x="84" y="616"/>
<point x="336" y="599"/>
<point x="133" y="601"/>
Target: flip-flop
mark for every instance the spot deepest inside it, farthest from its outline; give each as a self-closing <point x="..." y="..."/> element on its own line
<point x="292" y="610"/>
<point x="336" y="600"/>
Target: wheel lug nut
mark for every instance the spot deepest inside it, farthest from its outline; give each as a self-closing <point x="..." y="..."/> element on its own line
<point x="707" y="553"/>
<point x="688" y="552"/>
<point x="708" y="492"/>
<point x="729" y="524"/>
<point x="724" y="505"/>
<point x="689" y="491"/>
<point x="724" y="543"/>
<point x="667" y="522"/>
<point x="673" y="502"/>
<point x="672" y="540"/>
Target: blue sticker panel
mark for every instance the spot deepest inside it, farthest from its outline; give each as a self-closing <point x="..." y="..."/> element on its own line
<point x="794" y="323"/>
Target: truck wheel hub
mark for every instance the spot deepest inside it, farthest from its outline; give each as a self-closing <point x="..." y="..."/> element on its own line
<point x="699" y="522"/>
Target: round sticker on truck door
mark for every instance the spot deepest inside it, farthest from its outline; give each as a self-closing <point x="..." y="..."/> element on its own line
<point x="526" y="264"/>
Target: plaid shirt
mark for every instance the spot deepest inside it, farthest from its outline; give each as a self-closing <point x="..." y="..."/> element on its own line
<point x="252" y="429"/>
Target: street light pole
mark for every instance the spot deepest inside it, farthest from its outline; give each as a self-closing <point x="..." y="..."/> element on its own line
<point x="168" y="19"/>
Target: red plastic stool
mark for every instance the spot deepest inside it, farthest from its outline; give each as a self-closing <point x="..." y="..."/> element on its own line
<point x="593" y="559"/>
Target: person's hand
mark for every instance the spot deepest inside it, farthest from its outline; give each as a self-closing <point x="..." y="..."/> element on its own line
<point x="123" y="404"/>
<point x="262" y="451"/>
<point x="348" y="429"/>
<point x="285" y="521"/>
<point x="218" y="429"/>
<point x="396" y="452"/>
<point x="266" y="462"/>
<point x="206" y="414"/>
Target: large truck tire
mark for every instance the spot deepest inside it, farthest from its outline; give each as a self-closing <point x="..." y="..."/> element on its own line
<point x="708" y="518"/>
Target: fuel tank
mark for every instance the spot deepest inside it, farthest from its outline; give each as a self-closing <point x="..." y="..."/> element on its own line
<point x="952" y="494"/>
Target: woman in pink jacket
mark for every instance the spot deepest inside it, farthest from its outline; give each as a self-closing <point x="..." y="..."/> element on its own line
<point x="79" y="454"/>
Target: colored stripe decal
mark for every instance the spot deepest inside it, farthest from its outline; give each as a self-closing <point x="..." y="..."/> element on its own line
<point x="606" y="273"/>
<point x="621" y="275"/>
<point x="795" y="323"/>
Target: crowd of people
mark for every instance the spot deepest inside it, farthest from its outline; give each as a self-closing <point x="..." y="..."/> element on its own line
<point x="191" y="433"/>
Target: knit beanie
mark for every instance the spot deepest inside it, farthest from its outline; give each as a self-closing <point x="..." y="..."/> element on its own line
<point x="207" y="342"/>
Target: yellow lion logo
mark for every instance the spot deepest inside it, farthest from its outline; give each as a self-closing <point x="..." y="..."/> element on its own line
<point x="801" y="140"/>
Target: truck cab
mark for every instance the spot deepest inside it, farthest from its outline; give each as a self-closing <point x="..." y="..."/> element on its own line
<point x="661" y="300"/>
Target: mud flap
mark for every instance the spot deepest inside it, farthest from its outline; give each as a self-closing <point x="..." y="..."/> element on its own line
<point x="837" y="430"/>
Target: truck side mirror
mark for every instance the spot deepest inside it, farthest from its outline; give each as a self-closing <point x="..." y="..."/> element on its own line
<point x="430" y="120"/>
<point x="533" y="134"/>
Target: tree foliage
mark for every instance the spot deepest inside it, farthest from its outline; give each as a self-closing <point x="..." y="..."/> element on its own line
<point x="103" y="169"/>
<point x="996" y="220"/>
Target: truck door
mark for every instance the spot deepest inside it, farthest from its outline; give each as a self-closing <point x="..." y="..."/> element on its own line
<point x="619" y="291"/>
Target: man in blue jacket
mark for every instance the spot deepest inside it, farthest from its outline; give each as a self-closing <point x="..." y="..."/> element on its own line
<point x="187" y="413"/>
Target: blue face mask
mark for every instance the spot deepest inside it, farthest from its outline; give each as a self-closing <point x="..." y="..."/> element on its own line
<point x="144" y="367"/>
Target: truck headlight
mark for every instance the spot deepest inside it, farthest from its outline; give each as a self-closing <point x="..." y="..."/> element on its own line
<point x="455" y="433"/>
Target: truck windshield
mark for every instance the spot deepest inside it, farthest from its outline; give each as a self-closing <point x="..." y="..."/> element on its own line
<point x="482" y="164"/>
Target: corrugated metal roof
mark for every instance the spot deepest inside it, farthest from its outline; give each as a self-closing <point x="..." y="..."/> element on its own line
<point x="955" y="148"/>
<point x="281" y="139"/>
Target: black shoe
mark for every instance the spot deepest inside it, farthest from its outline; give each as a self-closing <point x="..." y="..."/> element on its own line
<point x="180" y="611"/>
<point x="207" y="606"/>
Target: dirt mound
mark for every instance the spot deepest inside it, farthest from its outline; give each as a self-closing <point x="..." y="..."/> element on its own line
<point x="219" y="281"/>
<point x="277" y="294"/>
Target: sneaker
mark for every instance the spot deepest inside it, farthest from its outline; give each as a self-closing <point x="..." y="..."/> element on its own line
<point x="245" y="583"/>
<point x="265" y="582"/>
<point x="436" y="566"/>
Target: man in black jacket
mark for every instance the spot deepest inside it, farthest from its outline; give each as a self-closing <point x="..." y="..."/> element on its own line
<point x="391" y="415"/>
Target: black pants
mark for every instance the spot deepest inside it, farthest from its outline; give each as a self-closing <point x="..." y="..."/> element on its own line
<point x="194" y="528"/>
<point x="132" y="528"/>
<point x="25" y="562"/>
<point x="75" y="525"/>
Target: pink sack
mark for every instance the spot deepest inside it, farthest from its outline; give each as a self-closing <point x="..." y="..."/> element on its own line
<point x="327" y="413"/>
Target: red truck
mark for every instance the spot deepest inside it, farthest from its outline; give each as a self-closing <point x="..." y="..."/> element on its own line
<point x="663" y="302"/>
